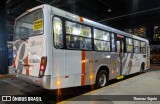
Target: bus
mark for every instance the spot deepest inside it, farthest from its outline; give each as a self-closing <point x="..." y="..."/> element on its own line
<point x="56" y="49"/>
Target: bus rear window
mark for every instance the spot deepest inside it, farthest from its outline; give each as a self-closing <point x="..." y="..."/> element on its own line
<point x="29" y="25"/>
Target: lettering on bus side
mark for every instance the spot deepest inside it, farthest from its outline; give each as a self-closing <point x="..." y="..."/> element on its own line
<point x="34" y="61"/>
<point x="34" y="43"/>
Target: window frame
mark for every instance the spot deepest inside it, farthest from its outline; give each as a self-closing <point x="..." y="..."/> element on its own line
<point x="102" y="40"/>
<point x="142" y="47"/>
<point x="61" y="18"/>
<point x="137" y="46"/>
<point x="129" y="45"/>
<point x="65" y="19"/>
<point x="14" y="33"/>
<point x="115" y="50"/>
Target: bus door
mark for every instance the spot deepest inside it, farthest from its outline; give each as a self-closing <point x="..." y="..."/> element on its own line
<point x="120" y="54"/>
<point x="58" y="55"/>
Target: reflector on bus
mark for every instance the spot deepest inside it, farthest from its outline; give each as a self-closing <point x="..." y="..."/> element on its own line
<point x="81" y="19"/>
<point x="42" y="66"/>
<point x="120" y="36"/>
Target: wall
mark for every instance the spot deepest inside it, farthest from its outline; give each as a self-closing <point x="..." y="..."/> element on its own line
<point x="3" y="39"/>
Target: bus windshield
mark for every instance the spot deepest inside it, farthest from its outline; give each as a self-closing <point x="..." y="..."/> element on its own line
<point x="29" y="25"/>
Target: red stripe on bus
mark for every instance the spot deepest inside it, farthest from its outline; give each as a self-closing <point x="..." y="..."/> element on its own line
<point x="27" y="69"/>
<point x="83" y="68"/>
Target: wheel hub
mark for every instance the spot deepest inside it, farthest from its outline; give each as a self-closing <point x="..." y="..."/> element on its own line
<point x="102" y="80"/>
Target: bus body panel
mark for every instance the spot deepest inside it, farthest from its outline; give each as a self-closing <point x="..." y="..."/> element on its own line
<point x="73" y="62"/>
<point x="107" y="59"/>
<point x="48" y="37"/>
<point x="28" y="52"/>
<point x="35" y="52"/>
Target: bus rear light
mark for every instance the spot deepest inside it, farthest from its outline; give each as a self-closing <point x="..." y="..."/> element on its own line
<point x="43" y="65"/>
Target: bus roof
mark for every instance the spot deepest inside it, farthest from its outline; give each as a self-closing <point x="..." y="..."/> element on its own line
<point x="76" y="18"/>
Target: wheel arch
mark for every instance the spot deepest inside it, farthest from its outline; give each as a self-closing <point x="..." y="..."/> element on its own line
<point x="102" y="67"/>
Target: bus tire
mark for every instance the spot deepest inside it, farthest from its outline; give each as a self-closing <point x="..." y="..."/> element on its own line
<point x="101" y="79"/>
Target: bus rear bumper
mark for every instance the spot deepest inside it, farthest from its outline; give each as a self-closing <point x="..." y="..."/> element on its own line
<point x="44" y="82"/>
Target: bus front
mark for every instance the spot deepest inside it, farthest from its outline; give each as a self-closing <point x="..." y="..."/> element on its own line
<point x="29" y="49"/>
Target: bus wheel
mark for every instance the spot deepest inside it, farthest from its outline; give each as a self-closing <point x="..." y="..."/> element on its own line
<point x="101" y="79"/>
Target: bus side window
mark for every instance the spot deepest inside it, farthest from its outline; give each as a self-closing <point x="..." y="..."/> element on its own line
<point x="113" y="42"/>
<point x="143" y="47"/>
<point x="58" y="36"/>
<point x="118" y="46"/>
<point x="136" y="46"/>
<point x="86" y="43"/>
<point x="101" y="40"/>
<point x="78" y="36"/>
<point x="129" y="45"/>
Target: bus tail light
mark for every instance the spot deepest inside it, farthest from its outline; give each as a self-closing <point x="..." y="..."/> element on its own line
<point x="42" y="66"/>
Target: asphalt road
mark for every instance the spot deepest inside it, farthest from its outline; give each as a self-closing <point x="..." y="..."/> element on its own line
<point x="12" y="86"/>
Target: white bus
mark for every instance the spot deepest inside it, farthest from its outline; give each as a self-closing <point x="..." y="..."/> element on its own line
<point x="56" y="49"/>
